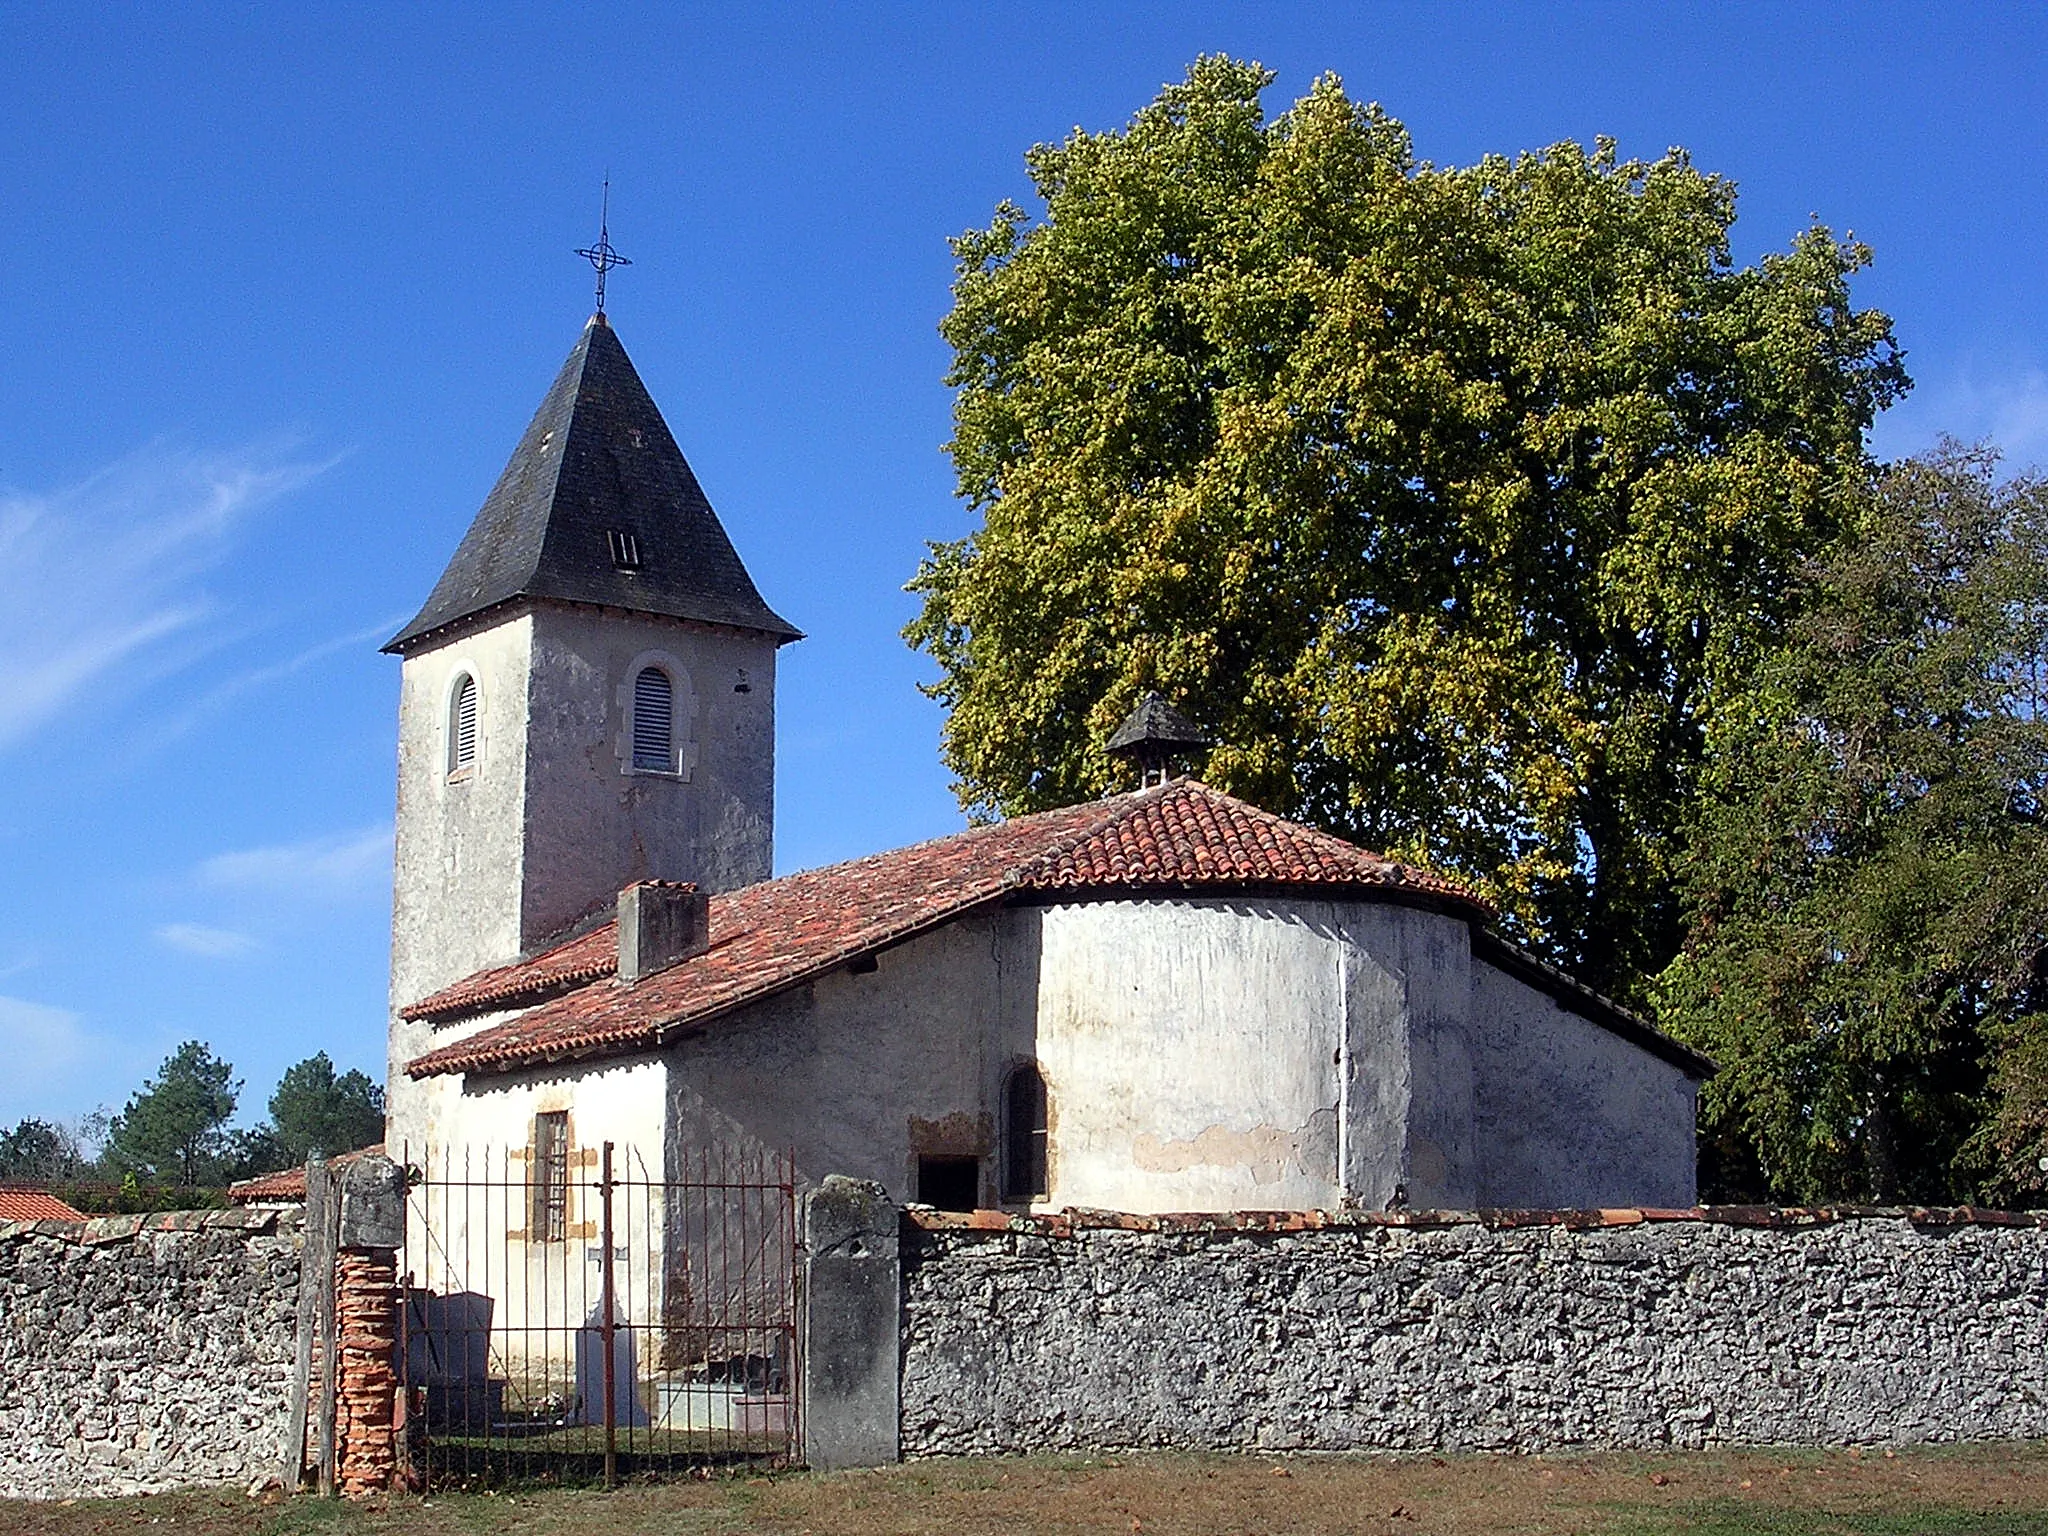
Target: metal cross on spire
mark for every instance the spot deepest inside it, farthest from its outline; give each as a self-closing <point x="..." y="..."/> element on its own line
<point x="601" y="255"/>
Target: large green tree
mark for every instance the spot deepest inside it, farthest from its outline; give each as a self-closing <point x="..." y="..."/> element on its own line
<point x="316" y="1109"/>
<point x="175" y="1128"/>
<point x="1455" y="500"/>
<point x="1865" y="881"/>
<point x="41" y="1151"/>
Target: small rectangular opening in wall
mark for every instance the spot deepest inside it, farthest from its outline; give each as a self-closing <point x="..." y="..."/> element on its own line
<point x="548" y="1216"/>
<point x="950" y="1183"/>
<point x="625" y="548"/>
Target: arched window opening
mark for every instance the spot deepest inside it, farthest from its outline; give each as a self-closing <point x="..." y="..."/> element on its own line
<point x="654" y="709"/>
<point x="462" y="725"/>
<point x="1024" y="1135"/>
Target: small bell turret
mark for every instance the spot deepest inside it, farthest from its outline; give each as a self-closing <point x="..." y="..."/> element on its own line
<point x="1153" y="734"/>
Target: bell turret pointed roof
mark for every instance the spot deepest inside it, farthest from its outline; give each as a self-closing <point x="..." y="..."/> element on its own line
<point x="1153" y="725"/>
<point x="598" y="505"/>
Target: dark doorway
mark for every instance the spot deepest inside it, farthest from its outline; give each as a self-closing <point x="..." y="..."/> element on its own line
<point x="950" y="1183"/>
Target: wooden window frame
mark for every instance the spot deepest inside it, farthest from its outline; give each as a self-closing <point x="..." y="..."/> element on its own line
<point x="548" y="1216"/>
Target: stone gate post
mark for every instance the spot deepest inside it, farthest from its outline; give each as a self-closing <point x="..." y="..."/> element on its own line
<point x="852" y="1313"/>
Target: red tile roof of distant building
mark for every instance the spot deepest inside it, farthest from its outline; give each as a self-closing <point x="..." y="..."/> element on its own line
<point x="1178" y="837"/>
<point x="35" y="1205"/>
<point x="288" y="1183"/>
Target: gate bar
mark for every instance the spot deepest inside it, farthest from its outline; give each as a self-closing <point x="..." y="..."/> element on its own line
<point x="606" y="1327"/>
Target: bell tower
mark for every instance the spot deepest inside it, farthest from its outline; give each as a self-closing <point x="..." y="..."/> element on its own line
<point x="587" y="698"/>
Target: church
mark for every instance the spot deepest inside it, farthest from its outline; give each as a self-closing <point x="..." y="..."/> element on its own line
<point x="1165" y="1000"/>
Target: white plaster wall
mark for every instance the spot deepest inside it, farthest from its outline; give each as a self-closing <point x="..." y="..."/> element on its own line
<point x="1408" y="1088"/>
<point x="858" y="1074"/>
<point x="1191" y="1052"/>
<point x="1567" y="1114"/>
<point x="456" y="890"/>
<point x="591" y="824"/>
<point x="469" y="1219"/>
<point x="1214" y="1054"/>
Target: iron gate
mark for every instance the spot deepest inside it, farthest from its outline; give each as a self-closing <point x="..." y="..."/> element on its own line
<point x="571" y="1314"/>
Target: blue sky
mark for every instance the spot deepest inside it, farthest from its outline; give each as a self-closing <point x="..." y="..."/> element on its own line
<point x="283" y="284"/>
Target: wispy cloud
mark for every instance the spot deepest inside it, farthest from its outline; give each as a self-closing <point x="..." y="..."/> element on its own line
<point x="220" y="696"/>
<point x="341" y="863"/>
<point x="2019" y="417"/>
<point x="40" y="1041"/>
<point x="2007" y="408"/>
<point x="106" y="572"/>
<point x="57" y="1066"/>
<point x="207" y="943"/>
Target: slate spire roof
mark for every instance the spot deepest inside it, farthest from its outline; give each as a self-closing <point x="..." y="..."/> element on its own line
<point x="598" y="505"/>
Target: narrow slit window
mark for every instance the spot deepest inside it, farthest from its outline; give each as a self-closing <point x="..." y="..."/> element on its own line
<point x="550" y="1215"/>
<point x="654" y="711"/>
<point x="462" y="726"/>
<point x="625" y="549"/>
<point x="1024" y="1173"/>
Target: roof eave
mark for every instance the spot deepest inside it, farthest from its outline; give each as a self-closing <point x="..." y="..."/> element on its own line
<point x="661" y="1032"/>
<point x="413" y="637"/>
<point x="1451" y="902"/>
<point x="1589" y="1004"/>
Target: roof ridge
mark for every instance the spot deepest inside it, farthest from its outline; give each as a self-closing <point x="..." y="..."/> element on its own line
<point x="1019" y="873"/>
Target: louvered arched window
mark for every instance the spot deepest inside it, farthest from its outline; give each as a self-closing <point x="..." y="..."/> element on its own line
<point x="654" y="720"/>
<point x="462" y="725"/>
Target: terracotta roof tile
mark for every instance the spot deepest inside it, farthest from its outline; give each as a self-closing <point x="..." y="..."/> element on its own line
<point x="35" y="1205"/>
<point x="1180" y="836"/>
<point x="288" y="1183"/>
<point x="581" y="959"/>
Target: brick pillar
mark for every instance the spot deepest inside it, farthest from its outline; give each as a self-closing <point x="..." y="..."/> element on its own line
<point x="366" y="1327"/>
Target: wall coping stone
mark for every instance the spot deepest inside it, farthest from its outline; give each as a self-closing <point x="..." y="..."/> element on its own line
<point x="97" y="1230"/>
<point x="1064" y="1223"/>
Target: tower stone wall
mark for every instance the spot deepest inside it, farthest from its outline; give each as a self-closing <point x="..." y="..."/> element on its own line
<point x="595" y="557"/>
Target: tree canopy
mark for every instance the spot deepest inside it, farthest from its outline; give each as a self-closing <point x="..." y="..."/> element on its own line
<point x="175" y="1128"/>
<point x="316" y="1110"/>
<point x="1455" y="501"/>
<point x="40" y="1151"/>
<point x="1868" y="915"/>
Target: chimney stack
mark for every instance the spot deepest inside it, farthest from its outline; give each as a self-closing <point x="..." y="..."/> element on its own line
<point x="661" y="922"/>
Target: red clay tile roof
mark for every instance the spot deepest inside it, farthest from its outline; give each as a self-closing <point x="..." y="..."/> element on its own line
<point x="35" y="1205"/>
<point x="1180" y="836"/>
<point x="288" y="1183"/>
<point x="581" y="959"/>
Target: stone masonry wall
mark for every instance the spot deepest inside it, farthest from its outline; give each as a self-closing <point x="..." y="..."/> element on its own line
<point x="144" y="1352"/>
<point x="1611" y="1329"/>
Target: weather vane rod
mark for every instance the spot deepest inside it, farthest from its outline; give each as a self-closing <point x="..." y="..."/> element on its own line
<point x="601" y="255"/>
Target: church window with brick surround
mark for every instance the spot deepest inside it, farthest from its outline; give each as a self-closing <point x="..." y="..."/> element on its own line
<point x="462" y="726"/>
<point x="654" y="710"/>
<point x="549" y="1221"/>
<point x="1024" y="1135"/>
